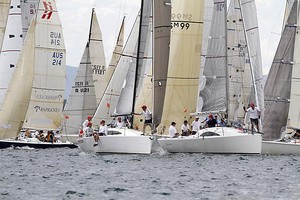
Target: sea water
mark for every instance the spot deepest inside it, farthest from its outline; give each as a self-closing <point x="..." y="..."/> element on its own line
<point x="73" y="174"/>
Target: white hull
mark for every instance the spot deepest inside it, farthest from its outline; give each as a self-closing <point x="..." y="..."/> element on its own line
<point x="129" y="142"/>
<point x="230" y="141"/>
<point x="280" y="148"/>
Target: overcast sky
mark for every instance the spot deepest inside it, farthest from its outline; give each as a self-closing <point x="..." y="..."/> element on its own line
<point x="75" y="18"/>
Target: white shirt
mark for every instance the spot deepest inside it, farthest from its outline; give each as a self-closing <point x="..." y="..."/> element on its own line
<point x="120" y="125"/>
<point x="254" y="113"/>
<point x="147" y="114"/>
<point x="172" y="131"/>
<point x="103" y="129"/>
<point x="185" y="128"/>
<point x="196" y="125"/>
<point x="84" y="125"/>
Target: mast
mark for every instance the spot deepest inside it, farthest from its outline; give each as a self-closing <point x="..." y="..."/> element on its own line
<point x="91" y="24"/>
<point x="137" y="62"/>
<point x="226" y="61"/>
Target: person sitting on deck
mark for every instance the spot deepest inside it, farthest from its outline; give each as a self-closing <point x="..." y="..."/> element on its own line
<point x="212" y="122"/>
<point x="185" y="128"/>
<point x="172" y="131"/>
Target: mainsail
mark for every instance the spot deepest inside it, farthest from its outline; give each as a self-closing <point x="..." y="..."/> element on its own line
<point x="239" y="73"/>
<point x="4" y="10"/>
<point x="11" y="48"/>
<point x="132" y="83"/>
<point x="108" y="102"/>
<point x="184" y="61"/>
<point x="49" y="62"/>
<point x="97" y="57"/>
<point x="281" y="101"/>
<point x="213" y="96"/>
<point x="28" y="11"/>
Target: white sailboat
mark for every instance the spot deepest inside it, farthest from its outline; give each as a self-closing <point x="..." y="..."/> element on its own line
<point x="34" y="99"/>
<point x="128" y="140"/>
<point x="215" y="97"/>
<point x="82" y="101"/>
<point x="282" y="114"/>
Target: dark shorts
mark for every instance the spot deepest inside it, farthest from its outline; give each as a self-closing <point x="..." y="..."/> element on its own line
<point x="254" y="121"/>
<point x="102" y="134"/>
<point x="148" y="121"/>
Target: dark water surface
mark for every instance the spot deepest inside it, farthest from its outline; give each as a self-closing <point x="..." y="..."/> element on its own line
<point x="73" y="174"/>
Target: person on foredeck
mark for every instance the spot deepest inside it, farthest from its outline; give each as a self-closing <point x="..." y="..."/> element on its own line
<point x="103" y="128"/>
<point x="85" y="123"/>
<point x="254" y="113"/>
<point x="147" y="117"/>
<point x="119" y="123"/>
<point x="195" y="125"/>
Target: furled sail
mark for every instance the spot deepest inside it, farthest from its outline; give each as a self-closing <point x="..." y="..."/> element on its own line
<point x="11" y="47"/>
<point x="184" y="61"/>
<point x="46" y="102"/>
<point x="277" y="89"/>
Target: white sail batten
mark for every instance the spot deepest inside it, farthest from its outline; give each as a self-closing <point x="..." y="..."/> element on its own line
<point x="97" y="57"/>
<point x="15" y="105"/>
<point x="184" y="61"/>
<point x="213" y="97"/>
<point x="239" y="73"/>
<point x="28" y="10"/>
<point x="132" y="84"/>
<point x="109" y="101"/>
<point x="277" y="89"/>
<point x="11" y="47"/>
<point x="161" y="49"/>
<point x="46" y="102"/>
<point x="4" y="10"/>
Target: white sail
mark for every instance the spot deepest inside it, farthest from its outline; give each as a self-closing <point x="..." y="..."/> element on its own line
<point x="4" y="10"/>
<point x="97" y="57"/>
<point x="11" y="47"/>
<point x="28" y="10"/>
<point x="82" y="100"/>
<point x="249" y="16"/>
<point x="132" y="84"/>
<point x="46" y="102"/>
<point x="213" y="96"/>
<point x="16" y="101"/>
<point x="277" y="89"/>
<point x="184" y="61"/>
<point x="239" y="73"/>
<point x="108" y="102"/>
<point x="116" y="54"/>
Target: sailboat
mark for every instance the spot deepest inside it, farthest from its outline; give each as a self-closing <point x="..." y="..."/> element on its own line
<point x="82" y="101"/>
<point x="127" y="140"/>
<point x="34" y="99"/>
<point x="282" y="116"/>
<point x="215" y="97"/>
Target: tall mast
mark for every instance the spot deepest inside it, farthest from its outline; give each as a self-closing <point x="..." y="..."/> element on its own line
<point x="137" y="61"/>
<point x="91" y="24"/>
<point x="226" y="61"/>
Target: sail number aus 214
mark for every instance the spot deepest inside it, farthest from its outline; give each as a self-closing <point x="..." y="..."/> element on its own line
<point x="57" y="58"/>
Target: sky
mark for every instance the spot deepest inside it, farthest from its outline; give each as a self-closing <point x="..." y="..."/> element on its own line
<point x="75" y="18"/>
